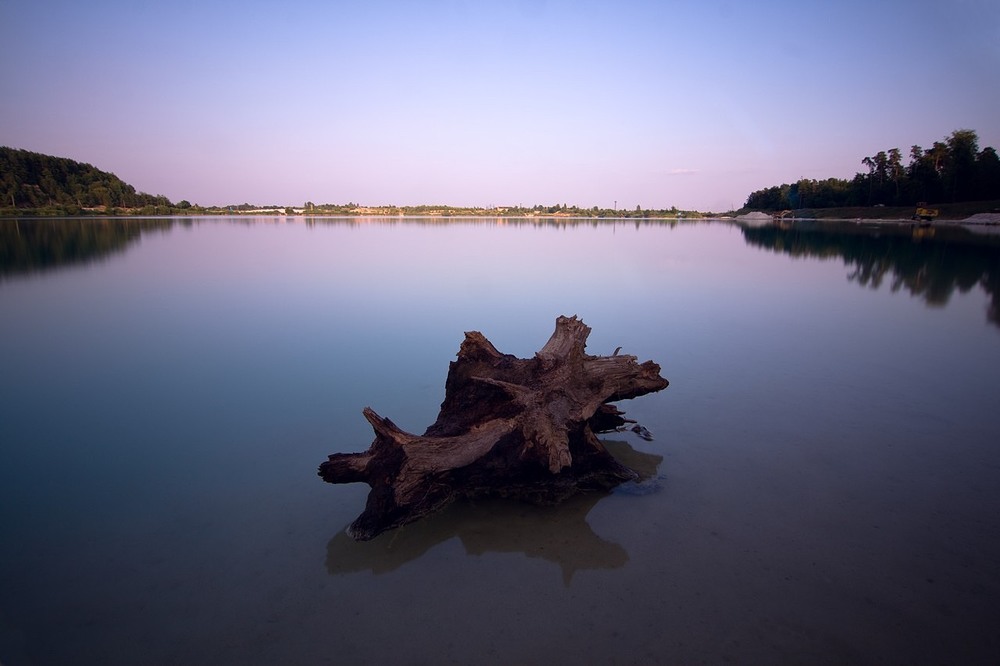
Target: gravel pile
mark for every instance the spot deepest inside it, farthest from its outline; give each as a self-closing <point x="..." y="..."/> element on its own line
<point x="983" y="218"/>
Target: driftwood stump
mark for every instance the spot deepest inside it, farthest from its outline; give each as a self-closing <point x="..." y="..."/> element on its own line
<point x="509" y="427"/>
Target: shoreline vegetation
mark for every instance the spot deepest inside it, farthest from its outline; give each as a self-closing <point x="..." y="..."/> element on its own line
<point x="948" y="212"/>
<point x="954" y="177"/>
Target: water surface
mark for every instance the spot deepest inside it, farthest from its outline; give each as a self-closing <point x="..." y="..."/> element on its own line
<point x="826" y="457"/>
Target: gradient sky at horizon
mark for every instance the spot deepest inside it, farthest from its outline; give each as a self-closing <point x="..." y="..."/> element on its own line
<point x="592" y="103"/>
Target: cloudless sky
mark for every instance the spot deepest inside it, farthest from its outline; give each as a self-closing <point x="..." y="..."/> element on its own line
<point x="658" y="104"/>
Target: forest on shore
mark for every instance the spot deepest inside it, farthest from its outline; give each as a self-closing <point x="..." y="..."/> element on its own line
<point x="33" y="183"/>
<point x="950" y="171"/>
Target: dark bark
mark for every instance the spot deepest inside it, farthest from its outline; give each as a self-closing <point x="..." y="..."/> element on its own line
<point x="510" y="427"/>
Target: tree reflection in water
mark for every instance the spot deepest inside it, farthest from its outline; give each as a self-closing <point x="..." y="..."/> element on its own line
<point x="928" y="262"/>
<point x="38" y="244"/>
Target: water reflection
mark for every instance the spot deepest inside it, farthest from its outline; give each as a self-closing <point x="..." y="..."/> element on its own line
<point x="929" y="265"/>
<point x="517" y="222"/>
<point x="30" y="245"/>
<point x="559" y="534"/>
<point x="36" y="245"/>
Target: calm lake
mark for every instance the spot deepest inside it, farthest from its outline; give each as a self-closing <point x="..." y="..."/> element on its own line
<point x="827" y="456"/>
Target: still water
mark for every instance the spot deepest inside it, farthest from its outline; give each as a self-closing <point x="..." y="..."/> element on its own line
<point x="827" y="456"/>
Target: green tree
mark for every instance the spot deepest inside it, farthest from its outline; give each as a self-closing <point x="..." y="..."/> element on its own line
<point x="896" y="171"/>
<point x="988" y="174"/>
<point x="960" y="165"/>
<point x="924" y="178"/>
<point x="871" y="164"/>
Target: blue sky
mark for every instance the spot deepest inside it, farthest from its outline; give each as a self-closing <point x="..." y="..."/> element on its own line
<point x="658" y="104"/>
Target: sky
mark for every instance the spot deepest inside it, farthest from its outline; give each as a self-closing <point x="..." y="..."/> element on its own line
<point x="491" y="103"/>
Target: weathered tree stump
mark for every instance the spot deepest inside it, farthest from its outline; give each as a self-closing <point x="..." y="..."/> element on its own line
<point x="509" y="427"/>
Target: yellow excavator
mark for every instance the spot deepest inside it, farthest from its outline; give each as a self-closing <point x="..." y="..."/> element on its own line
<point x="925" y="214"/>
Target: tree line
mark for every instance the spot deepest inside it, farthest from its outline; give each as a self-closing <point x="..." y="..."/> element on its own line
<point x="952" y="170"/>
<point x="35" y="181"/>
<point x="37" y="184"/>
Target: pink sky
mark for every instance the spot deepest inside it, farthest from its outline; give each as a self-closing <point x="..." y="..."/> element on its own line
<point x="656" y="104"/>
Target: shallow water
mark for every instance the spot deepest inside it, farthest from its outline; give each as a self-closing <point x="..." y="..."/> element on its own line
<point x="829" y="489"/>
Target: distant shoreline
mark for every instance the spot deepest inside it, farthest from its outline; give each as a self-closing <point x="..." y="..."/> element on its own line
<point x="948" y="212"/>
<point x="986" y="222"/>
